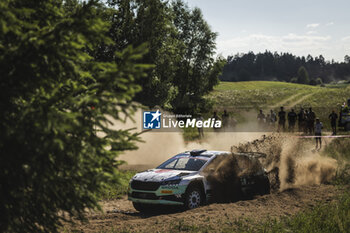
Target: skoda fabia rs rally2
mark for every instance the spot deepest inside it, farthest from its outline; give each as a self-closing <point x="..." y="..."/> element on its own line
<point x="193" y="178"/>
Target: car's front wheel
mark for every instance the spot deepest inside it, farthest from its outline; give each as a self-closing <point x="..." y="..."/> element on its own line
<point x="193" y="198"/>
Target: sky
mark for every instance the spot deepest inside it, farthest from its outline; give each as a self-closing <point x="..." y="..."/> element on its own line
<point x="300" y="27"/>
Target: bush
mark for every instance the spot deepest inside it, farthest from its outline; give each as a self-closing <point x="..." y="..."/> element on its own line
<point x="313" y="82"/>
<point x="303" y="75"/>
<point x="319" y="81"/>
<point x="57" y="153"/>
<point x="114" y="190"/>
<point x="294" y="80"/>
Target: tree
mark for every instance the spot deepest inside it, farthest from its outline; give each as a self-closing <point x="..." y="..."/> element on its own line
<point x="147" y="22"/>
<point x="284" y="66"/>
<point x="303" y="76"/>
<point x="319" y="81"/>
<point x="57" y="151"/>
<point x="216" y="70"/>
<point x="195" y="71"/>
<point x="347" y="59"/>
<point x="181" y="46"/>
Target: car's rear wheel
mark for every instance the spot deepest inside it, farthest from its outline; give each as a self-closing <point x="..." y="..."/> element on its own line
<point x="264" y="186"/>
<point x="193" y="198"/>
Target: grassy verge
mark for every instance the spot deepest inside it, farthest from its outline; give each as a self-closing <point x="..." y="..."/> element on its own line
<point x="339" y="149"/>
<point x="331" y="217"/>
<point x="118" y="190"/>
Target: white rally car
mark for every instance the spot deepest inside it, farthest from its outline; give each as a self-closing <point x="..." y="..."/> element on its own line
<point x="184" y="180"/>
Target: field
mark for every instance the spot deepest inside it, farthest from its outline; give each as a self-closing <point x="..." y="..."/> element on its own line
<point x="240" y="97"/>
<point x="322" y="207"/>
<point x="269" y="94"/>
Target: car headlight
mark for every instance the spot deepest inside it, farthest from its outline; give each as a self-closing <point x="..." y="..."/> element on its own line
<point x="171" y="182"/>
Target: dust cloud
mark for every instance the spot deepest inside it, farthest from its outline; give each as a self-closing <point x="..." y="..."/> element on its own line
<point x="293" y="160"/>
<point x="290" y="160"/>
<point x="160" y="146"/>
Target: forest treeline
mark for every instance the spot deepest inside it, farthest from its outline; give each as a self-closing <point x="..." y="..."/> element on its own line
<point x="66" y="68"/>
<point x="284" y="67"/>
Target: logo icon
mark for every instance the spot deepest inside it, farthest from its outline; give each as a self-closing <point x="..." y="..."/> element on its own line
<point x="151" y="120"/>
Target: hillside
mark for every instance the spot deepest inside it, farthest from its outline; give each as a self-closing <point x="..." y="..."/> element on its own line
<point x="238" y="97"/>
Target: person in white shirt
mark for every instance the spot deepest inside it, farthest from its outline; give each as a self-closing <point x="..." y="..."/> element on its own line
<point x="318" y="133"/>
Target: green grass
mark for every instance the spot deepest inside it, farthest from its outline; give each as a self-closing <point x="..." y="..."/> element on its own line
<point x="339" y="149"/>
<point x="118" y="190"/>
<point x="268" y="93"/>
<point x="331" y="217"/>
<point x="264" y="92"/>
<point x="259" y="85"/>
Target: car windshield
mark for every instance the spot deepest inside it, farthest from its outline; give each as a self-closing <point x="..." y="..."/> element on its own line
<point x="183" y="163"/>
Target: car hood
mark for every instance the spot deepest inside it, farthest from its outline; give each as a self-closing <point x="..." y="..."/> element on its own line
<point x="161" y="175"/>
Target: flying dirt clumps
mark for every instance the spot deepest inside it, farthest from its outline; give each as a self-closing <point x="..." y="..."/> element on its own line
<point x="222" y="173"/>
<point x="290" y="161"/>
<point x="225" y="173"/>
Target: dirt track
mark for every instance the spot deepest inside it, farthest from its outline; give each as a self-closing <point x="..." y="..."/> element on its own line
<point x="120" y="215"/>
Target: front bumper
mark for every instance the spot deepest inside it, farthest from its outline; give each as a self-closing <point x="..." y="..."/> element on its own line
<point x="156" y="202"/>
<point x="164" y="195"/>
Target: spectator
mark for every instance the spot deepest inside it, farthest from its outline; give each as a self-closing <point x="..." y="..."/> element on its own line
<point x="273" y="116"/>
<point x="311" y="120"/>
<point x="216" y="117"/>
<point x="292" y="118"/>
<point x="281" y="119"/>
<point x="318" y="133"/>
<point x="225" y="118"/>
<point x="200" y="129"/>
<point x="301" y="120"/>
<point x="268" y="119"/>
<point x="333" y="117"/>
<point x="261" y="117"/>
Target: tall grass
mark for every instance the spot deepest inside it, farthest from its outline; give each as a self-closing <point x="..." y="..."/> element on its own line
<point x="120" y="189"/>
<point x="339" y="149"/>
